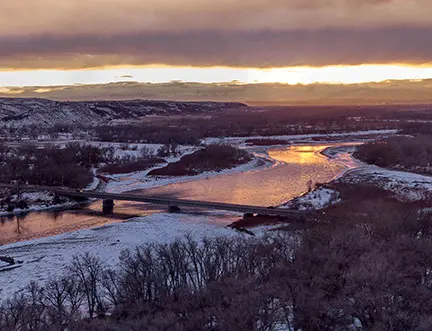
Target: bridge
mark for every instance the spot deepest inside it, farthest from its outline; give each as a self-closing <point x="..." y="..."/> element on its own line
<point x="173" y="204"/>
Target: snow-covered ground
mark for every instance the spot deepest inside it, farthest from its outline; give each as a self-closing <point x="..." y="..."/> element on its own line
<point x="316" y="199"/>
<point x="48" y="257"/>
<point x="303" y="137"/>
<point x="406" y="186"/>
<point x="36" y="201"/>
<point x="122" y="150"/>
<point x="3" y="264"/>
<point x="39" y="207"/>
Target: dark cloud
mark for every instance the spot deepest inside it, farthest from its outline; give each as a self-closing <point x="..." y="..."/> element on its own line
<point x="27" y="17"/>
<point x="94" y="33"/>
<point x="242" y="49"/>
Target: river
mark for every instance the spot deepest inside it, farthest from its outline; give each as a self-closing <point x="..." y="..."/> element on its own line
<point x="294" y="167"/>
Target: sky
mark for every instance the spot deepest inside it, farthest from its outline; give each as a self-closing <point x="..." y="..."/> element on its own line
<point x="46" y="43"/>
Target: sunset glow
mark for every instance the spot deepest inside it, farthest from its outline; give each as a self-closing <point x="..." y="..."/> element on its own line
<point x="295" y="75"/>
<point x="71" y="49"/>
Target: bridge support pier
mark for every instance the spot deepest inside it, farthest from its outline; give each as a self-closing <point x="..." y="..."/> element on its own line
<point x="248" y="215"/>
<point x="107" y="206"/>
<point x="174" y="209"/>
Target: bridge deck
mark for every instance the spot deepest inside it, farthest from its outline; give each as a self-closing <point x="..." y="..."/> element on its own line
<point x="167" y="201"/>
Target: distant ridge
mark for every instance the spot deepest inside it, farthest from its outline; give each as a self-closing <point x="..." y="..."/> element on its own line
<point x="15" y="112"/>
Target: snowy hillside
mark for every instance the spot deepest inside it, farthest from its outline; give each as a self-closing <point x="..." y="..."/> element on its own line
<point x="18" y="112"/>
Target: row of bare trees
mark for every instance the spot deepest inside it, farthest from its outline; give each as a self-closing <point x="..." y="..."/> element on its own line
<point x="185" y="284"/>
<point x="346" y="276"/>
<point x="269" y="122"/>
<point x="52" y="166"/>
<point x="70" y="165"/>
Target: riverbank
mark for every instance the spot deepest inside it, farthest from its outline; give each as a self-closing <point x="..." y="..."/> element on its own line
<point x="35" y="201"/>
<point x="140" y="180"/>
<point x="404" y="187"/>
<point x="306" y="138"/>
<point x="45" y="258"/>
<point x="48" y="257"/>
<point x="46" y="201"/>
<point x="280" y="173"/>
<point x="271" y="171"/>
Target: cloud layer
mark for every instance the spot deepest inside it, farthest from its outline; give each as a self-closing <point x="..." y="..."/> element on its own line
<point x="390" y="92"/>
<point x="253" y="33"/>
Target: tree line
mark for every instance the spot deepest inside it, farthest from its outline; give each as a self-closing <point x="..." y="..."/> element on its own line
<point x="413" y="154"/>
<point x="51" y="166"/>
<point x="346" y="276"/>
<point x="190" y="131"/>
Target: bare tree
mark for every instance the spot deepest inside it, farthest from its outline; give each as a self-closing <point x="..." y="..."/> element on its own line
<point x="88" y="270"/>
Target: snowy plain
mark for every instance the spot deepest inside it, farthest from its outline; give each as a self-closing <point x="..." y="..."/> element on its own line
<point x="296" y="138"/>
<point x="49" y="257"/>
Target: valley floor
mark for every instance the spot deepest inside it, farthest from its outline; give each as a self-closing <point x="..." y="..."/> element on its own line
<point x="44" y="258"/>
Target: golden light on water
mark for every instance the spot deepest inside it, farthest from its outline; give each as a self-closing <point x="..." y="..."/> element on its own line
<point x="300" y="154"/>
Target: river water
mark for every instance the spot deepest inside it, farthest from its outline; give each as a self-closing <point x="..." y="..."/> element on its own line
<point x="295" y="166"/>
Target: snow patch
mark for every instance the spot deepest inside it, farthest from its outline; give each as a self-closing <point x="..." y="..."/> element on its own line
<point x="317" y="199"/>
<point x="293" y="138"/>
<point x="407" y="187"/>
<point x="3" y="264"/>
<point x="45" y="258"/>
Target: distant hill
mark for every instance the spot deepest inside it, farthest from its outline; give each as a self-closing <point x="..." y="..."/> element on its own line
<point x="16" y="112"/>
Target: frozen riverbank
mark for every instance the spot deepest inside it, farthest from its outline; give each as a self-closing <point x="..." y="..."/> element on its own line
<point x="404" y="186"/>
<point x="45" y="258"/>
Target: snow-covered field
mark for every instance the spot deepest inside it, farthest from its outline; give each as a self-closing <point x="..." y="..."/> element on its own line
<point x="316" y="199"/>
<point x="122" y="150"/>
<point x="36" y="201"/>
<point x="406" y="186"/>
<point x="295" y="138"/>
<point x="49" y="257"/>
